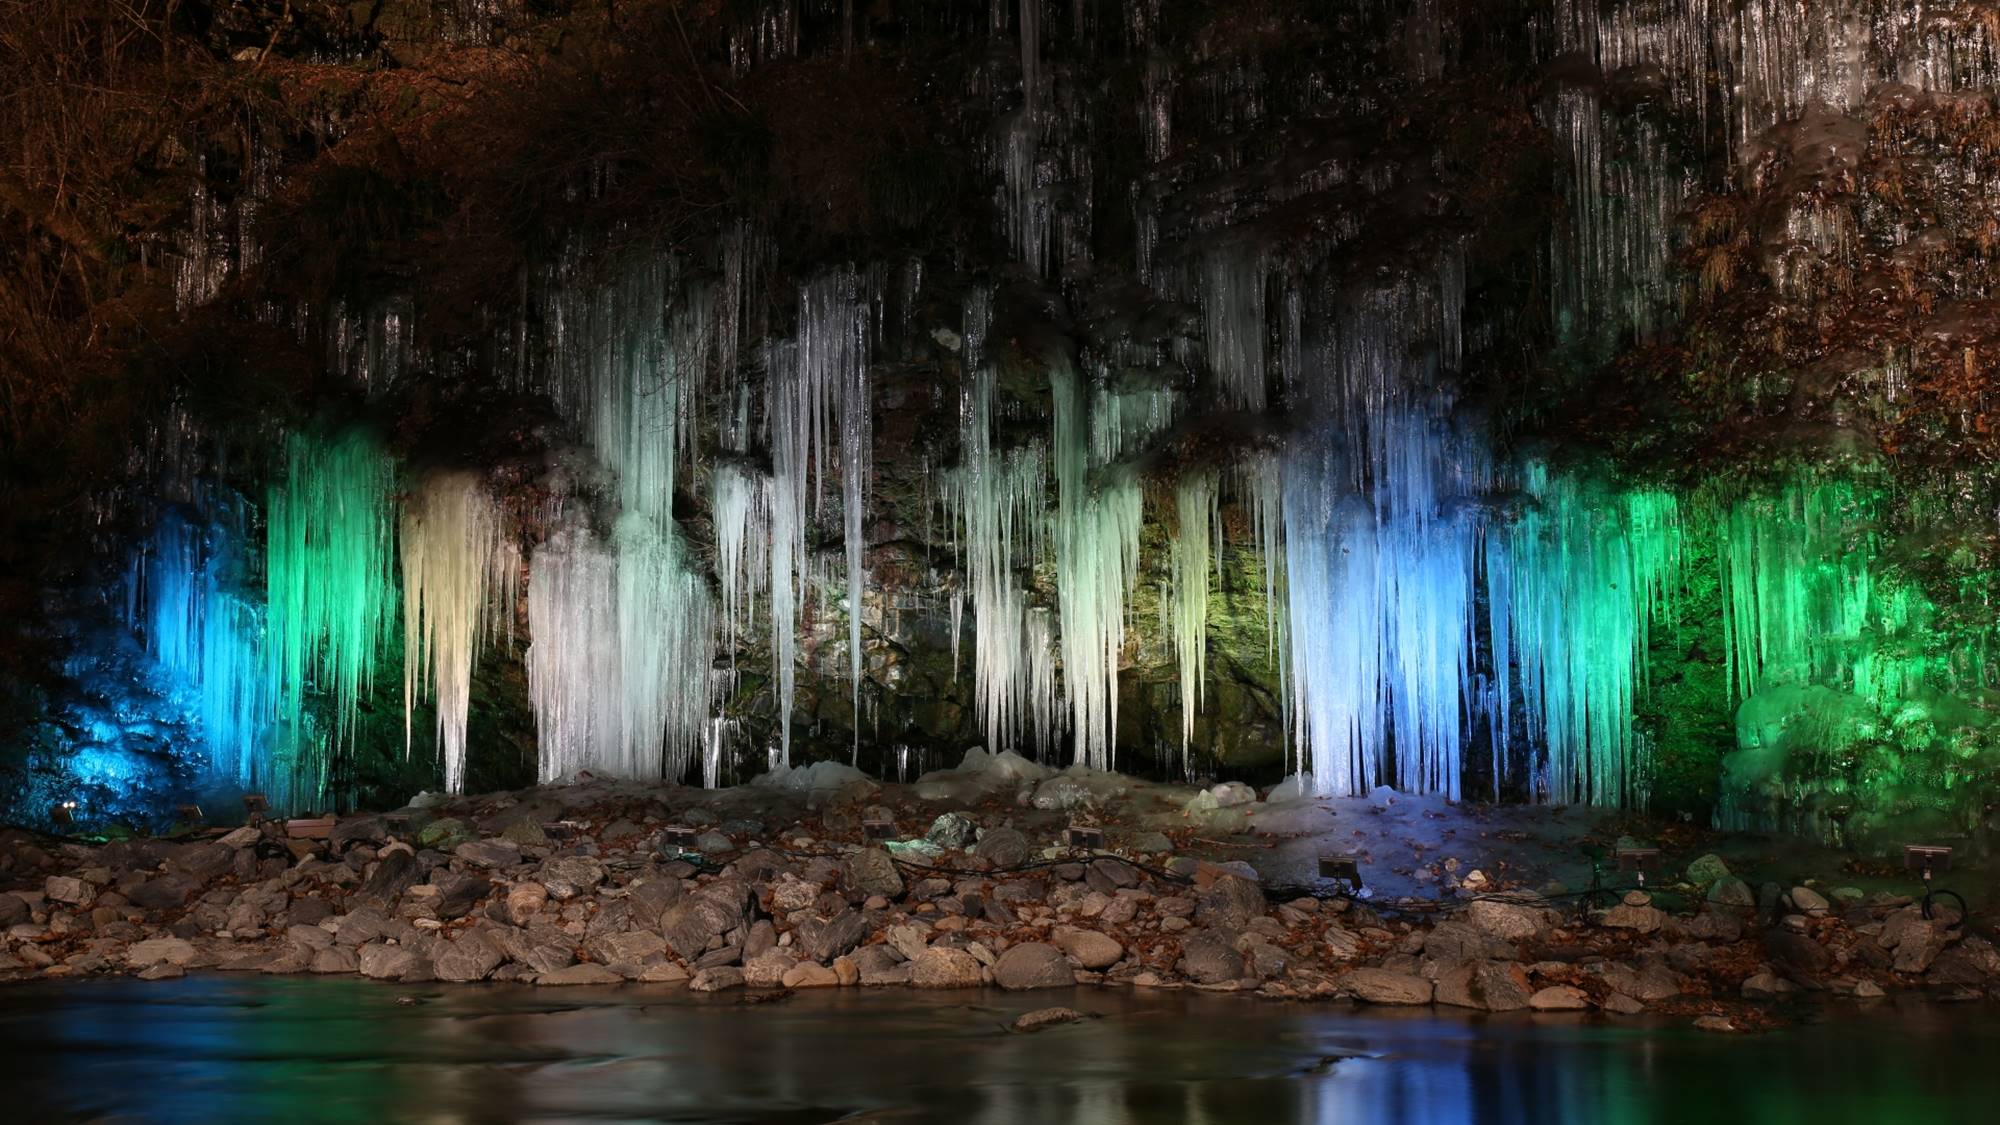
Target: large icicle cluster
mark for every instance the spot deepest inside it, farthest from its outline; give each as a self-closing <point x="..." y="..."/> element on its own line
<point x="331" y="589"/>
<point x="460" y="571"/>
<point x="1572" y="587"/>
<point x="187" y="596"/>
<point x="820" y="417"/>
<point x="998" y="497"/>
<point x="620" y="664"/>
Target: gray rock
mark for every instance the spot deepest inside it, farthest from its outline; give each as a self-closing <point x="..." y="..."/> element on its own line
<point x="205" y="862"/>
<point x="1704" y="871"/>
<point x="943" y="967"/>
<point x="1730" y="891"/>
<point x="953" y="830"/>
<point x="1808" y="901"/>
<point x="767" y="969"/>
<point x="174" y="950"/>
<point x="460" y="894"/>
<point x="13" y="910"/>
<point x="1382" y="986"/>
<point x="444" y="835"/>
<point x="309" y="937"/>
<point x="1004" y="847"/>
<point x="1209" y="958"/>
<point x="1559" y="998"/>
<point x="1091" y="949"/>
<point x="335" y="959"/>
<point x="823" y="939"/>
<point x="68" y="890"/>
<point x="1638" y="919"/>
<point x="584" y="972"/>
<point x="1046" y="1017"/>
<point x="689" y="926"/>
<point x="570" y="875"/>
<point x="490" y="853"/>
<point x="361" y="927"/>
<point x="1506" y="921"/>
<point x="716" y="979"/>
<point x="379" y="961"/>
<point x="1490" y="986"/>
<point x="1797" y="955"/>
<point x="632" y="947"/>
<point x="397" y="872"/>
<point x="1230" y="902"/>
<point x="1033" y="964"/>
<point x="871" y="871"/>
<point x="167" y="892"/>
<point x="471" y="957"/>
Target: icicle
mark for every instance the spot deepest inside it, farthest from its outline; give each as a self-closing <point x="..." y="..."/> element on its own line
<point x="1191" y="554"/>
<point x="185" y="598"/>
<point x="458" y="567"/>
<point x="330" y="577"/>
<point x="619" y="671"/>
<point x="816" y="384"/>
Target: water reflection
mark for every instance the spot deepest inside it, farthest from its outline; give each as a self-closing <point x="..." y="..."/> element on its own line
<point x="299" y="1049"/>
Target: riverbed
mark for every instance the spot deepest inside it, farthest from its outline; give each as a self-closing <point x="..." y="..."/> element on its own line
<point x="238" y="1048"/>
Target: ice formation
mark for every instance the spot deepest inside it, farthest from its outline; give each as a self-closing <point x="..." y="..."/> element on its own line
<point x="460" y="570"/>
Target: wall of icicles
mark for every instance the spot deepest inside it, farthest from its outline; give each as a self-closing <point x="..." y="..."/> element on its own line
<point x="1443" y="612"/>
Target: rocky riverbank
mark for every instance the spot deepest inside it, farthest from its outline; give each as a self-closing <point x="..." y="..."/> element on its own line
<point x="777" y="885"/>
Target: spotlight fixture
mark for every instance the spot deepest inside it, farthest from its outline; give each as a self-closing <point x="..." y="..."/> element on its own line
<point x="64" y="813"/>
<point x="678" y="839"/>
<point x="1340" y="868"/>
<point x="1638" y="859"/>
<point x="398" y="824"/>
<point x="189" y="814"/>
<point x="1086" y="836"/>
<point x="255" y="806"/>
<point x="878" y="828"/>
<point x="1926" y="859"/>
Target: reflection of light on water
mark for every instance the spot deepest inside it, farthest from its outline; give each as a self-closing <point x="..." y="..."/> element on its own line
<point x="344" y="1050"/>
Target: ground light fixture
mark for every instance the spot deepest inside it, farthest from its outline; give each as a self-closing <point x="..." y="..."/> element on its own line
<point x="64" y="813"/>
<point x="1340" y="869"/>
<point x="679" y="839"/>
<point x="1638" y="859"/>
<point x="1086" y="836"/>
<point x="878" y="828"/>
<point x="255" y="805"/>
<point x="190" y="815"/>
<point x="1927" y="860"/>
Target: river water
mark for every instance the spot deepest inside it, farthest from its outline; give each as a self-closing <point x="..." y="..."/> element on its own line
<point x="212" y="1048"/>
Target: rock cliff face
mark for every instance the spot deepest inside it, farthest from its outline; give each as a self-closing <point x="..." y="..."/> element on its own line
<point x="1210" y="389"/>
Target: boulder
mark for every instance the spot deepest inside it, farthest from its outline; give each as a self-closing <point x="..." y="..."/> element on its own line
<point x="68" y="890"/>
<point x="823" y="939"/>
<point x="943" y="967"/>
<point x="471" y="957"/>
<point x="1703" y="872"/>
<point x="871" y="871"/>
<point x="583" y="972"/>
<point x="1091" y="949"/>
<point x="1489" y="986"/>
<point x="1230" y="902"/>
<point x="167" y="892"/>
<point x="716" y="979"/>
<point x="524" y="901"/>
<point x="953" y="830"/>
<point x="690" y="925"/>
<point x="381" y="961"/>
<point x="490" y="853"/>
<point x="397" y="872"/>
<point x="1003" y="847"/>
<point x="1730" y="891"/>
<point x="1383" y="986"/>
<point x="1559" y="998"/>
<point x="174" y="950"/>
<point x="1033" y="964"/>
<point x="1507" y="921"/>
<point x="808" y="974"/>
<point x="1046" y="1017"/>
<point x="1808" y="901"/>
<point x="1209" y="958"/>
<point x="570" y="875"/>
